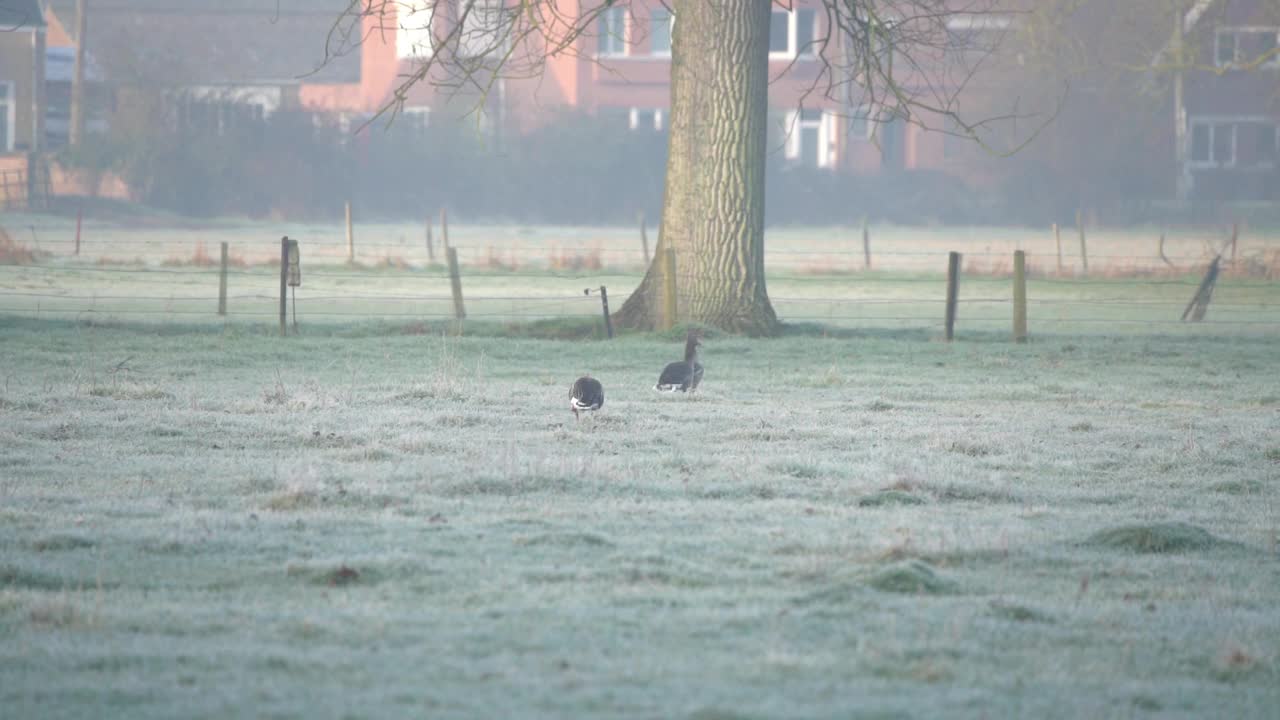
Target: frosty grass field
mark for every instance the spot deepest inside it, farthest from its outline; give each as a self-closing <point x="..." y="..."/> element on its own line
<point x="380" y="519"/>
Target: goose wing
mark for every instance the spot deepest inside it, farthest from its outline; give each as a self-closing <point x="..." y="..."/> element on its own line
<point x="587" y="394"/>
<point x="675" y="376"/>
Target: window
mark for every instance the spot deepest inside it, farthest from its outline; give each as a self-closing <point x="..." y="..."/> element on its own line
<point x="483" y="29"/>
<point x="1213" y="144"/>
<point x="413" y="28"/>
<point x="6" y="116"/>
<point x="780" y="33"/>
<point x="612" y="32"/>
<point x="809" y="135"/>
<point x="660" y="32"/>
<point x="793" y="33"/>
<point x="416" y="120"/>
<point x="1246" y="46"/>
<point x="806" y="33"/>
<point x="861" y="125"/>
<point x="645" y="119"/>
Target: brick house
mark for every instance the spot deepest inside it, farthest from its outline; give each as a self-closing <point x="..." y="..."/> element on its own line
<point x="618" y="72"/>
<point x="21" y="99"/>
<point x="1232" y="101"/>
<point x="217" y="63"/>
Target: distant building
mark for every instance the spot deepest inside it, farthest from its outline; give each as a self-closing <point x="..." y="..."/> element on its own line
<point x="22" y="44"/>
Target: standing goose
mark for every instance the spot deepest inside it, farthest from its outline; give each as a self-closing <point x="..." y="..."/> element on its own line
<point x="686" y="374"/>
<point x="587" y="394"/>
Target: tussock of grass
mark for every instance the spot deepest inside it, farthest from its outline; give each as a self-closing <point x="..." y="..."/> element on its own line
<point x="911" y="577"/>
<point x="970" y="449"/>
<point x="1236" y="664"/>
<point x="568" y="540"/>
<point x="129" y="392"/>
<point x="795" y="469"/>
<point x="1018" y="613"/>
<point x="56" y="543"/>
<point x="1237" y="487"/>
<point x="54" y="612"/>
<point x="1173" y="537"/>
<point x="1273" y="454"/>
<point x="12" y="576"/>
<point x="889" y="497"/>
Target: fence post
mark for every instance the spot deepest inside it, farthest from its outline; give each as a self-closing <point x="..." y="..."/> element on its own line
<point x="953" y="290"/>
<point x="1057" y="240"/>
<point x="1084" y="250"/>
<point x="866" y="245"/>
<point x="1235" y="236"/>
<point x="431" y="246"/>
<point x="604" y="307"/>
<point x="455" y="282"/>
<point x="1019" y="296"/>
<point x="351" y="240"/>
<point x="79" y="218"/>
<point x="222" y="283"/>
<point x="668" y="288"/>
<point x="644" y="240"/>
<point x="284" y="285"/>
<point x="444" y="227"/>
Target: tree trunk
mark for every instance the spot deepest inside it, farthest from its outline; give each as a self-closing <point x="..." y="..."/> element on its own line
<point x="713" y="206"/>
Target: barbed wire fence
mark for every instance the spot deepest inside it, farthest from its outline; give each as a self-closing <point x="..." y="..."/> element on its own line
<point x="178" y="280"/>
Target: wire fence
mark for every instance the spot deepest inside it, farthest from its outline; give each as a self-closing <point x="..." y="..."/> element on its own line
<point x="69" y="287"/>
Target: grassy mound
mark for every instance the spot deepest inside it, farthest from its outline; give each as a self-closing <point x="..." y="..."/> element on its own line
<point x="1174" y="537"/>
<point x="913" y="577"/>
<point x="889" y="497"/>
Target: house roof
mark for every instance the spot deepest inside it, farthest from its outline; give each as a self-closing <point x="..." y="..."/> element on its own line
<point x="23" y="15"/>
<point x="214" y="42"/>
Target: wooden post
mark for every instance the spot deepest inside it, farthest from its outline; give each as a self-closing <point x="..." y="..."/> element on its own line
<point x="1200" y="302"/>
<point x="604" y="307"/>
<point x="1084" y="250"/>
<point x="79" y="218"/>
<point x="953" y="290"/>
<point x="351" y="240"/>
<point x="444" y="227"/>
<point x="1235" y="237"/>
<point x="866" y="245"/>
<point x="644" y="240"/>
<point x="455" y="281"/>
<point x="222" y="283"/>
<point x="668" y="289"/>
<point x="1057" y="240"/>
<point x="1019" y="296"/>
<point x="431" y="246"/>
<point x="1160" y="249"/>
<point x="284" y="285"/>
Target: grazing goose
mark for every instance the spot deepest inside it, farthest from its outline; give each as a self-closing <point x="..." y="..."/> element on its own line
<point x="587" y="394"/>
<point x="686" y="374"/>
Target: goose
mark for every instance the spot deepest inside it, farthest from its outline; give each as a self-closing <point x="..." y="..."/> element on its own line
<point x="684" y="375"/>
<point x="587" y="394"/>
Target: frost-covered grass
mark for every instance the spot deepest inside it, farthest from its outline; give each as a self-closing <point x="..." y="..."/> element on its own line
<point x="213" y="522"/>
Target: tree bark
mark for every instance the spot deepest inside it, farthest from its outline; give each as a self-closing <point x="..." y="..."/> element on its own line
<point x="713" y="205"/>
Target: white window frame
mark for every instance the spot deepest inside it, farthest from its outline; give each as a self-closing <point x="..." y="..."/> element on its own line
<point x="671" y="29"/>
<point x="862" y="113"/>
<point x="1236" y="32"/>
<point x="624" y="41"/>
<point x="633" y="118"/>
<point x="793" y="24"/>
<point x="413" y="29"/>
<point x="826" y="132"/>
<point x="1214" y="123"/>
<point x="481" y="34"/>
<point x="11" y="115"/>
<point x="790" y="52"/>
<point x="418" y="117"/>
